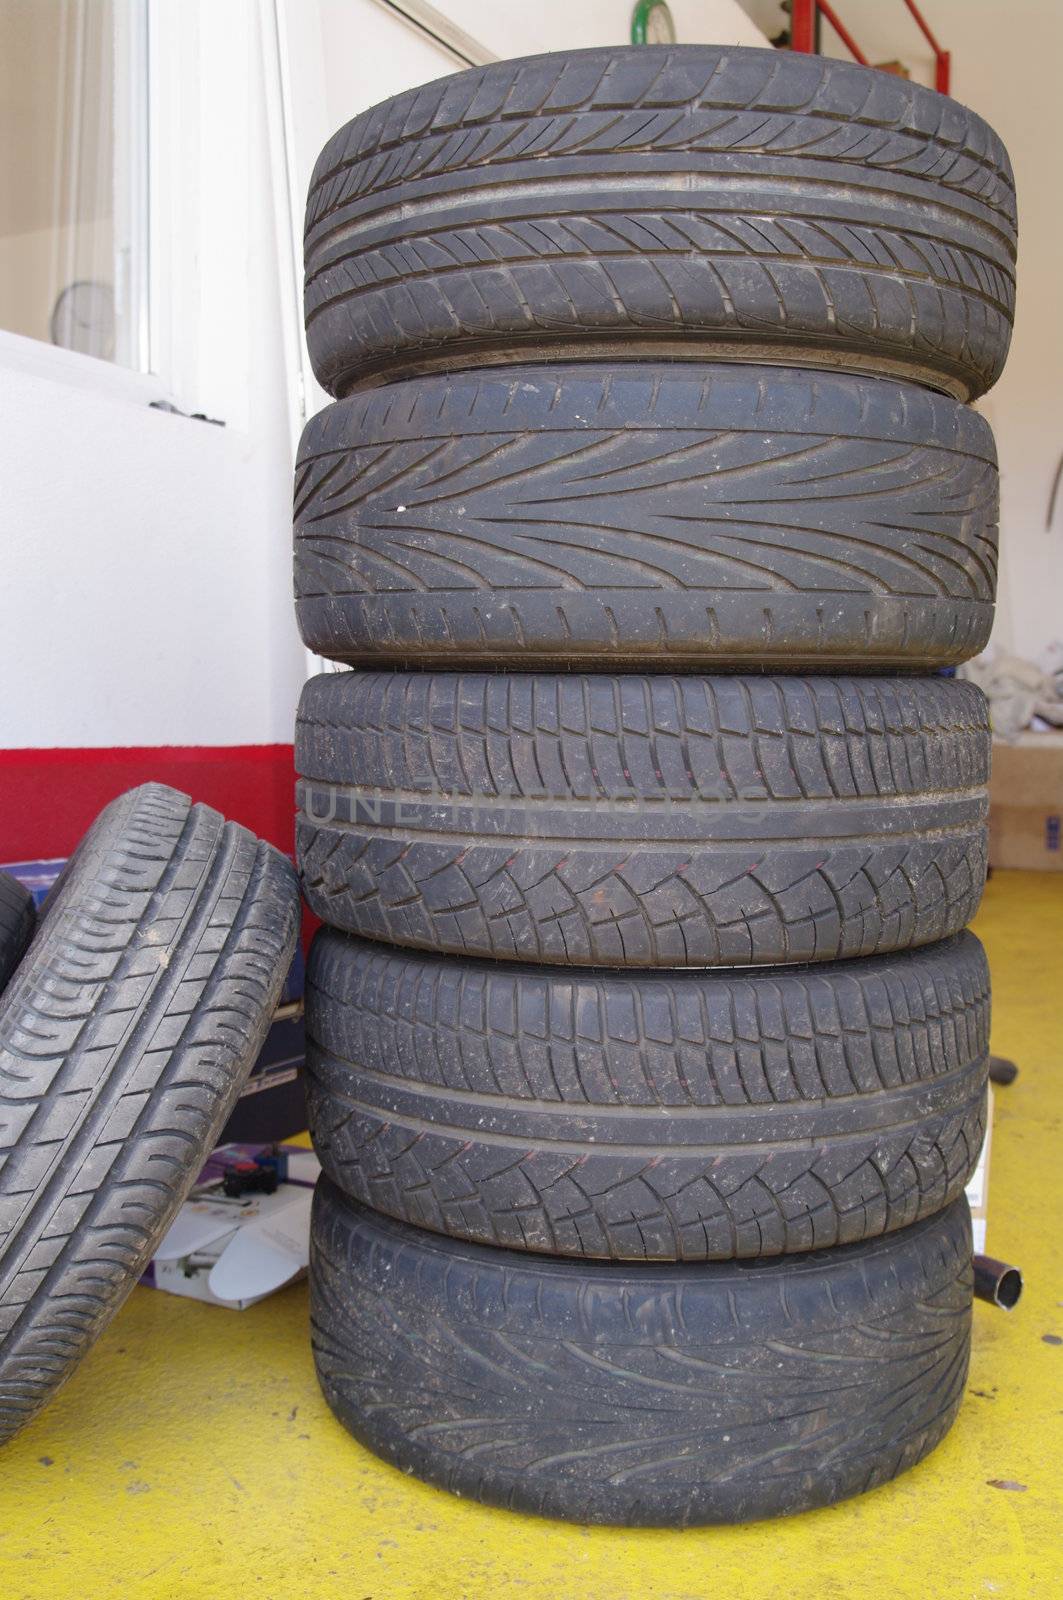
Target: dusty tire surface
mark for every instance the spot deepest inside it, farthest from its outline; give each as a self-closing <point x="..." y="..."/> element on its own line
<point x="673" y="203"/>
<point x="663" y="515"/>
<point x="124" y="1041"/>
<point x="653" y="1395"/>
<point x="637" y="1116"/>
<point x="18" y="918"/>
<point x="638" y="821"/>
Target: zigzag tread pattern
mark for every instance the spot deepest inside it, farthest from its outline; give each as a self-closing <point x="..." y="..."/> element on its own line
<point x="124" y="1041"/>
<point x="644" y="905"/>
<point x="780" y="873"/>
<point x="490" y="1044"/>
<point x="645" y="1396"/>
<point x="587" y="1201"/>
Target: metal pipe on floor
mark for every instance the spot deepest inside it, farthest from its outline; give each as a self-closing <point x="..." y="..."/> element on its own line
<point x="996" y="1282"/>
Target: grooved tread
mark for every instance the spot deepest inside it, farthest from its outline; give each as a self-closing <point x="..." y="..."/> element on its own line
<point x="642" y="821"/>
<point x="697" y="195"/>
<point x="17" y="919"/>
<point x="124" y="1041"/>
<point x="707" y="515"/>
<point x="673" y="1116"/>
<point x="651" y="1395"/>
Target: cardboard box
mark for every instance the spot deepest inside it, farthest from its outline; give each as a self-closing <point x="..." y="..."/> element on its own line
<point x="1026" y="803"/>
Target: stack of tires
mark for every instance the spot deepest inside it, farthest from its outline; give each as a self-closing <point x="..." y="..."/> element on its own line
<point x="648" y="1053"/>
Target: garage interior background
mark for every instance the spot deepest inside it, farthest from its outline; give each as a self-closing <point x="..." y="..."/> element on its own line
<point x="149" y="548"/>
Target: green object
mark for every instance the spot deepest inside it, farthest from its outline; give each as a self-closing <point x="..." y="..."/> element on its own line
<point x="651" y="23"/>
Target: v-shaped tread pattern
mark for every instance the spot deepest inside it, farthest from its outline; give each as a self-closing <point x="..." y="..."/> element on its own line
<point x="648" y="1395"/>
<point x="694" y="516"/>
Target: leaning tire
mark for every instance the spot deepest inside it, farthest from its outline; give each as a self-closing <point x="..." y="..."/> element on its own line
<point x="681" y="203"/>
<point x="697" y="516"/>
<point x="667" y="1116"/>
<point x="651" y="1395"/>
<point x="642" y="821"/>
<point x="124" y="1040"/>
<point x="17" y="920"/>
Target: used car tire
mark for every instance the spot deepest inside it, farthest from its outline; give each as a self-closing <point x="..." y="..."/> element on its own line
<point x="648" y="1116"/>
<point x="642" y="821"/>
<point x="17" y="920"/>
<point x="124" y="1040"/>
<point x="676" y="515"/>
<point x="655" y="1395"/>
<point x="680" y="202"/>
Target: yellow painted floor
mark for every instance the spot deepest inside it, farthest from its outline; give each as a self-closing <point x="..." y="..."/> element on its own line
<point x="191" y="1456"/>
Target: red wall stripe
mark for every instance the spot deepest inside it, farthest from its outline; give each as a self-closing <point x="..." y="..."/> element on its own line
<point x="49" y="797"/>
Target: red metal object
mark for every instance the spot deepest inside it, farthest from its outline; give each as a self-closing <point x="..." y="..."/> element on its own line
<point x="803" y="26"/>
<point x="942" y="58"/>
<point x="803" y="36"/>
<point x="843" y="33"/>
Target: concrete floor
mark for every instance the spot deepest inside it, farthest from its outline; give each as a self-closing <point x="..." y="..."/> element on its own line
<point x="191" y="1456"/>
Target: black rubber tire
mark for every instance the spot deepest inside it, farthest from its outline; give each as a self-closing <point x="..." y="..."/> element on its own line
<point x="696" y="517"/>
<point x="650" y="1395"/>
<point x="637" y="1116"/>
<point x="642" y="821"/>
<point x="671" y="203"/>
<point x="124" y="1040"/>
<point x="18" y="918"/>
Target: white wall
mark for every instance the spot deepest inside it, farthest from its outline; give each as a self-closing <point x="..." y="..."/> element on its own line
<point x="145" y="562"/>
<point x="146" y="557"/>
<point x="519" y="27"/>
